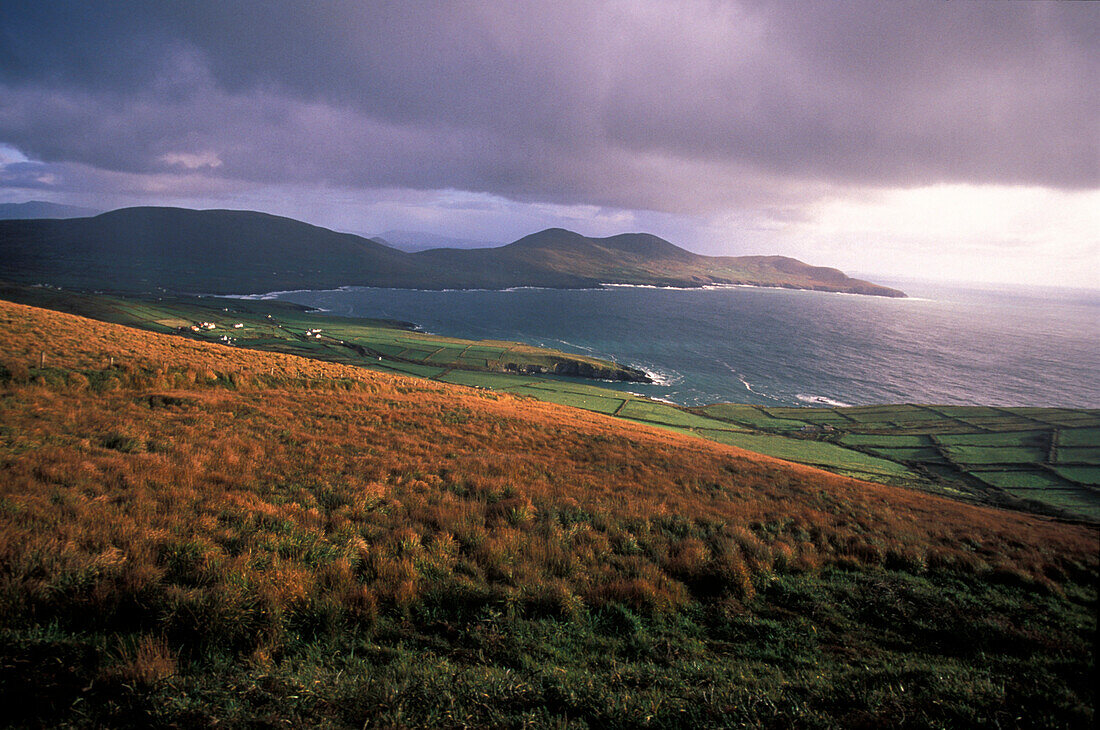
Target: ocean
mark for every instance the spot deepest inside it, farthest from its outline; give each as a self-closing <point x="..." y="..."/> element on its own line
<point x="944" y="345"/>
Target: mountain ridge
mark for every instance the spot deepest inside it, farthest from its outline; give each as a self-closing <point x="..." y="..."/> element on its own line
<point x="247" y="252"/>
<point x="36" y="209"/>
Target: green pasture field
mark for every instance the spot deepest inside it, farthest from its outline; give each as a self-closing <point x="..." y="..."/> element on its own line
<point x="496" y="381"/>
<point x="1078" y="502"/>
<point x="885" y="440"/>
<point x="818" y="416"/>
<point x="804" y="451"/>
<point x="984" y="418"/>
<point x="870" y="421"/>
<point x="969" y="455"/>
<point x="922" y="454"/>
<point x="864" y="411"/>
<point x="489" y="353"/>
<point x="1089" y="475"/>
<point x="751" y="416"/>
<point x="916" y="415"/>
<point x="967" y="412"/>
<point x="1000" y="424"/>
<point x="1069" y="437"/>
<point x="445" y="355"/>
<point x="417" y="354"/>
<point x="576" y="387"/>
<point x="600" y="404"/>
<point x="408" y="368"/>
<point x="578" y="395"/>
<point x="385" y="349"/>
<point x="1074" y="419"/>
<point x="1021" y="479"/>
<point x="999" y="438"/>
<point x="886" y="416"/>
<point x="1084" y="455"/>
<point x="641" y="410"/>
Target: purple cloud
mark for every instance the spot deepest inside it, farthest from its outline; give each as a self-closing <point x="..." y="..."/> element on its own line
<point x="666" y="106"/>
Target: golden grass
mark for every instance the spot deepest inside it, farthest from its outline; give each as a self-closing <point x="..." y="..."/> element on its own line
<point x="194" y="488"/>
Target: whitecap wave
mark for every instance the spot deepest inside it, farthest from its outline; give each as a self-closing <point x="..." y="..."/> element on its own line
<point x="573" y="344"/>
<point x="536" y="288"/>
<point x="747" y="384"/>
<point x="282" y="292"/>
<point x="651" y="286"/>
<point x="821" y="400"/>
<point x="658" y="377"/>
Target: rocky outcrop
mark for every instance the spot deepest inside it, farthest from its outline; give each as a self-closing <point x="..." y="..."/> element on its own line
<point x="581" y="369"/>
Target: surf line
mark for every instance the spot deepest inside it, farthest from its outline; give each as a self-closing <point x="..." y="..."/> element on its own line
<point x="820" y="400"/>
<point x="748" y="386"/>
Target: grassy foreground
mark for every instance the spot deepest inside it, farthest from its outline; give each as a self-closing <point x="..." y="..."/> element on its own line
<point x="195" y="535"/>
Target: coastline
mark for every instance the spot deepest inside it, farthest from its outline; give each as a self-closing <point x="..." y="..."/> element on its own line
<point x="603" y="286"/>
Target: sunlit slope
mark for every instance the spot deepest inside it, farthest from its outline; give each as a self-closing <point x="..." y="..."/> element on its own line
<point x="193" y="534"/>
<point x="176" y="433"/>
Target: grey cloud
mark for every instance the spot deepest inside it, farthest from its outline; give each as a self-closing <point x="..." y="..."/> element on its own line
<point x="27" y="176"/>
<point x="668" y="106"/>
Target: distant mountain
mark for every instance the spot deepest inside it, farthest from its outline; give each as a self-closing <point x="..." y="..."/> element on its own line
<point x="224" y="251"/>
<point x="208" y="251"/>
<point x="557" y="257"/>
<point x="420" y="241"/>
<point x="42" y="209"/>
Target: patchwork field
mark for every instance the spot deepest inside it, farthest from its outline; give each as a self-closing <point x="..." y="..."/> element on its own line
<point x="1043" y="459"/>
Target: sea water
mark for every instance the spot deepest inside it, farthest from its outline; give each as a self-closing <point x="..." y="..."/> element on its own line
<point x="944" y="345"/>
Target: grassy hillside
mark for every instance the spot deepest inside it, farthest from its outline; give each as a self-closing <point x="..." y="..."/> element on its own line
<point x="193" y="534"/>
<point x="1036" y="459"/>
<point x="229" y="252"/>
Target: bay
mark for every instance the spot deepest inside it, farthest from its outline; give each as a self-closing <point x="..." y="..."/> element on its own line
<point x="944" y="345"/>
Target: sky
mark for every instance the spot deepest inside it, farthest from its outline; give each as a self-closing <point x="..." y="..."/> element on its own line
<point x="942" y="140"/>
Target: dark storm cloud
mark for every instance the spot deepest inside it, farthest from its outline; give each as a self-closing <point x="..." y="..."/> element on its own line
<point x="674" y="106"/>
